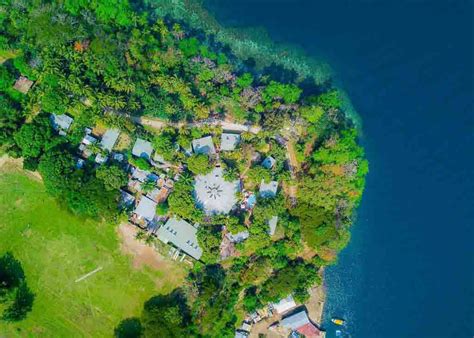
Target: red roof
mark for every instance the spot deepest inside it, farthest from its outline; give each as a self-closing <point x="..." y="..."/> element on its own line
<point x="309" y="330"/>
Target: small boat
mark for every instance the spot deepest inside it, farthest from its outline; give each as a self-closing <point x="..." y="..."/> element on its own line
<point x="338" y="321"/>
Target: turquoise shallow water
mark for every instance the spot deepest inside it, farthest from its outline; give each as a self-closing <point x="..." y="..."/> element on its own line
<point x="407" y="66"/>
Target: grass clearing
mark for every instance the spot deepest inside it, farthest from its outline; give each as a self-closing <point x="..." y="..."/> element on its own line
<point x="56" y="248"/>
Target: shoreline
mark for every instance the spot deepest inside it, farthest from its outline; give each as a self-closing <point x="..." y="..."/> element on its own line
<point x="317" y="301"/>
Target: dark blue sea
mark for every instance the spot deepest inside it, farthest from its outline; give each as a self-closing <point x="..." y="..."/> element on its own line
<point x="408" y="68"/>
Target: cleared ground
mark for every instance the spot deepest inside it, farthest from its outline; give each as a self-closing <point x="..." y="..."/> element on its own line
<point x="56" y="248"/>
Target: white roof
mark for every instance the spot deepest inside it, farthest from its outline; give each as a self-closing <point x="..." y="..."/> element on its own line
<point x="109" y="139"/>
<point x="146" y="208"/>
<point x="88" y="139"/>
<point x="241" y="334"/>
<point x="141" y="175"/>
<point x="284" y="304"/>
<point x="99" y="158"/>
<point x="238" y="237"/>
<point x="182" y="234"/>
<point x="272" y="224"/>
<point x="268" y="189"/>
<point x="119" y="157"/>
<point x="204" y="146"/>
<point x="229" y="141"/>
<point x="214" y="194"/>
<point x="142" y="148"/>
<point x="61" y="122"/>
<point x="295" y="321"/>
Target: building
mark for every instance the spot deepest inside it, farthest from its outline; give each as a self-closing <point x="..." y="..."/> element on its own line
<point x="284" y="305"/>
<point x="159" y="195"/>
<point x="99" y="158"/>
<point x="118" y="157"/>
<point x="214" y="194"/>
<point x="143" y="175"/>
<point x="142" y="148"/>
<point x="229" y="141"/>
<point x="88" y="140"/>
<point x="182" y="235"/>
<point x="272" y="224"/>
<point x="269" y="162"/>
<point x="204" y="146"/>
<point x="145" y="209"/>
<point x="241" y="334"/>
<point x="61" y="123"/>
<point x="268" y="189"/>
<point x="80" y="163"/>
<point x="126" y="199"/>
<point x="238" y="237"/>
<point x="23" y="85"/>
<point x="109" y="139"/>
<point x="158" y="158"/>
<point x="300" y="323"/>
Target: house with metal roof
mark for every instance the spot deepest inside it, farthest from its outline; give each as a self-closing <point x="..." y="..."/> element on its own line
<point x="295" y="321"/>
<point x="23" y="84"/>
<point x="145" y="209"/>
<point x="126" y="199"/>
<point x="229" y="141"/>
<point x="143" y="175"/>
<point x="272" y="224"/>
<point x="99" y="158"/>
<point x="204" y="145"/>
<point x="182" y="235"/>
<point x="268" y="189"/>
<point x="283" y="305"/>
<point x="88" y="139"/>
<point x="300" y="322"/>
<point x="238" y="237"/>
<point x="109" y="139"/>
<point x="214" y="194"/>
<point x="241" y="334"/>
<point x="142" y="148"/>
<point x="61" y="123"/>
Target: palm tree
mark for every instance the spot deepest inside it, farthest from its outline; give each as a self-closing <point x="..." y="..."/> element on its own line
<point x="140" y="235"/>
<point x="187" y="178"/>
<point x="149" y="240"/>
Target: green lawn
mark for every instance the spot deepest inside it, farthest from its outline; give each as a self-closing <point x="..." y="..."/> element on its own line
<point x="55" y="249"/>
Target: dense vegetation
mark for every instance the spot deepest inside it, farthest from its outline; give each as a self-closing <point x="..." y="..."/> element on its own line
<point x="55" y="248"/>
<point x="15" y="296"/>
<point x="105" y="63"/>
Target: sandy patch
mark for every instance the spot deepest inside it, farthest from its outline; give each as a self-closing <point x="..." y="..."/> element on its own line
<point x="142" y="253"/>
<point x="9" y="164"/>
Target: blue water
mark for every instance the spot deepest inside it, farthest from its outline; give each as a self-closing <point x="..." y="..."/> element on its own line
<point x="407" y="66"/>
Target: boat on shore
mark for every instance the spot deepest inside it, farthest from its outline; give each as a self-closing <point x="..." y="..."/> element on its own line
<point x="338" y="321"/>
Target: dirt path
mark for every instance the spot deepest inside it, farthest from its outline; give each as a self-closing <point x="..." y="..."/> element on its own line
<point x="309" y="146"/>
<point x="294" y="168"/>
<point x="226" y="125"/>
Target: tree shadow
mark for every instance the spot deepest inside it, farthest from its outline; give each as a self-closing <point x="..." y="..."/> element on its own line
<point x="129" y="328"/>
<point x="14" y="291"/>
<point x="176" y="298"/>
